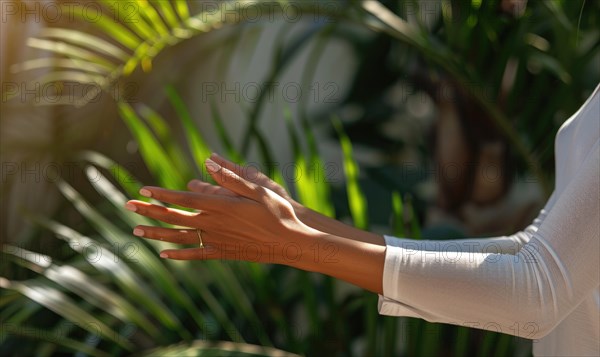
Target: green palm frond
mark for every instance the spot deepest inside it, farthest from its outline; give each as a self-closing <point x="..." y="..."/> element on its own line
<point x="136" y="32"/>
<point x="356" y="197"/>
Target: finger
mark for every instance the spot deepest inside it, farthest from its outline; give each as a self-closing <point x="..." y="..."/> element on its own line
<point x="169" y="215"/>
<point x="248" y="172"/>
<point x="210" y="251"/>
<point x="232" y="181"/>
<point x="178" y="236"/>
<point x="186" y="254"/>
<point x="207" y="188"/>
<point x="195" y="200"/>
<point x="238" y="169"/>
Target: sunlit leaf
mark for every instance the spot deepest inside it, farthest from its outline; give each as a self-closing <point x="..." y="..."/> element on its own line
<point x="153" y="18"/>
<point x="398" y="215"/>
<point x="60" y="303"/>
<point x="118" y="32"/>
<point x="70" y="51"/>
<point x="173" y="148"/>
<point x="122" y="175"/>
<point x="182" y="9"/>
<point x="136" y="251"/>
<point x="198" y="147"/>
<point x="153" y="154"/>
<point x="114" y="196"/>
<point x="166" y="9"/>
<point x="223" y="135"/>
<point x="73" y="279"/>
<point x="114" y="266"/>
<point x="70" y="63"/>
<point x="231" y="289"/>
<point x="85" y="40"/>
<point x="37" y="333"/>
<point x="72" y="76"/>
<point x="128" y="12"/>
<point x="356" y="198"/>
<point x="217" y="348"/>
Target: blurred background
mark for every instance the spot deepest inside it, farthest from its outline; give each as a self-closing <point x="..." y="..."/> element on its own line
<point x="428" y="119"/>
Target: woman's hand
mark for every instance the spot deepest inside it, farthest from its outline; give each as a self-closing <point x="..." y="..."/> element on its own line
<point x="307" y="216"/>
<point x="237" y="220"/>
<point x="252" y="223"/>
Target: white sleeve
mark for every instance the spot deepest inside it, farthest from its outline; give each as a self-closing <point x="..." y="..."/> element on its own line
<point x="504" y="244"/>
<point x="525" y="287"/>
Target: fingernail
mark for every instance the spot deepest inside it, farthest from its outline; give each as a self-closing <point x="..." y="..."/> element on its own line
<point x="131" y="207"/>
<point x="164" y="255"/>
<point x="145" y="193"/>
<point x="212" y="166"/>
<point x="138" y="232"/>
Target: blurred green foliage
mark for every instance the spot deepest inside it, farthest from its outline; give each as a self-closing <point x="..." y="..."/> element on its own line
<point x="112" y="295"/>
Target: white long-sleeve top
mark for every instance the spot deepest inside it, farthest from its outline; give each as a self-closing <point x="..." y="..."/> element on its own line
<point x="542" y="283"/>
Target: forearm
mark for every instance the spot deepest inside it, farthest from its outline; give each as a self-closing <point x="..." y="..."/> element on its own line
<point x="329" y="225"/>
<point x="353" y="260"/>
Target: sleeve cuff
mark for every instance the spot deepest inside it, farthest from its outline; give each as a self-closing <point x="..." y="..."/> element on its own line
<point x="386" y="304"/>
<point x="391" y="307"/>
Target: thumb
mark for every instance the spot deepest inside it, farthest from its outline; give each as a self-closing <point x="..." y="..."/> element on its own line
<point x="233" y="182"/>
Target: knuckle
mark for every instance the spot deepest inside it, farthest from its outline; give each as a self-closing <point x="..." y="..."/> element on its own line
<point x="259" y="190"/>
<point x="185" y="201"/>
<point x="150" y="233"/>
<point x="176" y="220"/>
<point x="216" y="224"/>
<point x="230" y="175"/>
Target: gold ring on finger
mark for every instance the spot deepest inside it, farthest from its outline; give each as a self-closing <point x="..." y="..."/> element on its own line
<point x="199" y="232"/>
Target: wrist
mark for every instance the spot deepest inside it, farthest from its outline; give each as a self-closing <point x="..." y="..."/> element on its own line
<point x="304" y="214"/>
<point x="299" y="247"/>
<point x="355" y="261"/>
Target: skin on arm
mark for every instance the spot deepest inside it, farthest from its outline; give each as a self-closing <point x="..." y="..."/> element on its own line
<point x="254" y="223"/>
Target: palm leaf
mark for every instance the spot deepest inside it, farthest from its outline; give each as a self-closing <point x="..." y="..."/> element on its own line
<point x="139" y="27"/>
<point x="152" y="265"/>
<point x="86" y="41"/>
<point x="70" y="51"/>
<point x="83" y="285"/>
<point x="60" y="303"/>
<point x="167" y="140"/>
<point x="146" y="37"/>
<point x="218" y="348"/>
<point x="356" y="198"/>
<point x="37" y="333"/>
<point x="68" y="63"/>
<point x="105" y="261"/>
<point x="223" y="135"/>
<point x="120" y="174"/>
<point x="196" y="142"/>
<point x="152" y="152"/>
